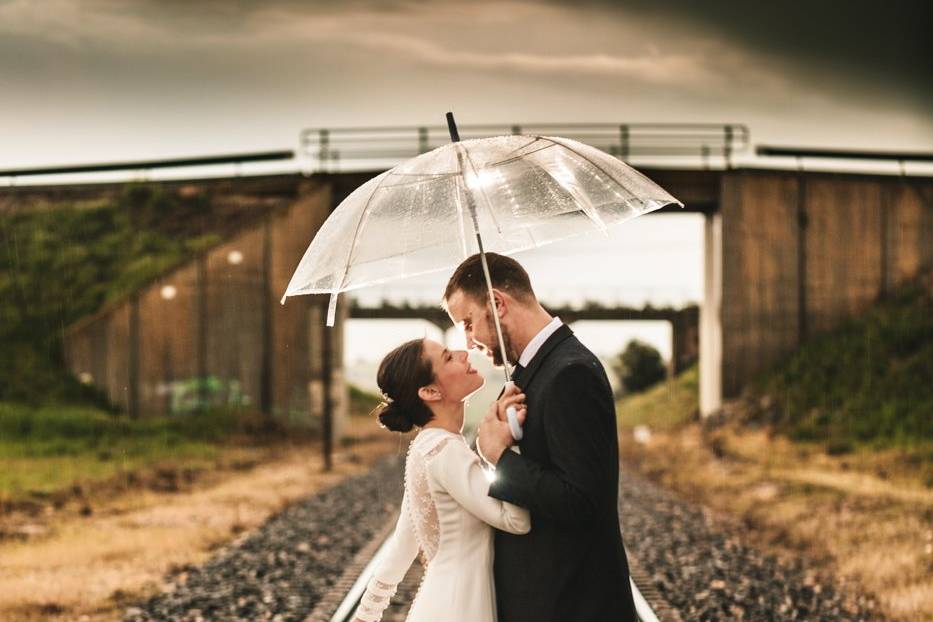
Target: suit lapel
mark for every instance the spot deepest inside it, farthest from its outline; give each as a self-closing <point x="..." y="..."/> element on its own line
<point x="547" y="347"/>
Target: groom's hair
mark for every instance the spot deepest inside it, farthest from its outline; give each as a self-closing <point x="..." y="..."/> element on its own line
<point x="505" y="273"/>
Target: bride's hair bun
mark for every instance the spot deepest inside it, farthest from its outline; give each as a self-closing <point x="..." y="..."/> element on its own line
<point x="402" y="372"/>
<point x="393" y="417"/>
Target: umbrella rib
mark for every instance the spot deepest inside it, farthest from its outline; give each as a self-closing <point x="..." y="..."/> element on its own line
<point x="581" y="201"/>
<point x="398" y="174"/>
<point x="419" y="181"/>
<point x="533" y="141"/>
<point x="483" y="192"/>
<point x="399" y="254"/>
<point x="463" y="242"/>
<point x="593" y="164"/>
<point x="519" y="157"/>
<point x="430" y="175"/>
<point x="389" y="279"/>
<point x="540" y="168"/>
<point x="346" y="269"/>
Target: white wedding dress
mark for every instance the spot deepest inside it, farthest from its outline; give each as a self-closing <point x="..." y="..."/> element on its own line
<point x="446" y="515"/>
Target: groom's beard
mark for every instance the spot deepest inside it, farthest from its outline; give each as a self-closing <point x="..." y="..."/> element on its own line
<point x="496" y="350"/>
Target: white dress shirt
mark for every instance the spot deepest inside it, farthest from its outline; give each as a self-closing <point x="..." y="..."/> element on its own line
<point x="537" y="341"/>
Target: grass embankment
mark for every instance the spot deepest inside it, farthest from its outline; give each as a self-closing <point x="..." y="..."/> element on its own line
<point x="665" y="406"/>
<point x="59" y="453"/>
<point x="869" y="381"/>
<point x="92" y="567"/>
<point x="61" y="263"/>
<point x="95" y="510"/>
<point x="829" y="456"/>
<point x="48" y="449"/>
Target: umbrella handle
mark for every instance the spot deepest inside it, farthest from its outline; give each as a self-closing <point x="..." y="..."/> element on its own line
<point x="512" y="416"/>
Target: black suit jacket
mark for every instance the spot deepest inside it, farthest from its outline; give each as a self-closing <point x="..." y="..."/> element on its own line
<point x="572" y="565"/>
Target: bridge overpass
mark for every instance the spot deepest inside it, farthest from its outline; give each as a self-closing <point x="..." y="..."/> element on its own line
<point x="438" y="317"/>
<point x="684" y="322"/>
<point x="787" y="254"/>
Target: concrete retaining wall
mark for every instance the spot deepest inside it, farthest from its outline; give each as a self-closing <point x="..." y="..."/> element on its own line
<point x="213" y="330"/>
<point x="801" y="251"/>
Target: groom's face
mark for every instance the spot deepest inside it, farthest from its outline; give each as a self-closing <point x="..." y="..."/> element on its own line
<point x="475" y="318"/>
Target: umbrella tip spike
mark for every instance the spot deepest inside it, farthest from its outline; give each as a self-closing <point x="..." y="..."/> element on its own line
<point x="452" y="128"/>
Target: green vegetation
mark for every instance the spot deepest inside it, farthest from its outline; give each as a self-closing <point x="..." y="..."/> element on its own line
<point x="48" y="448"/>
<point x="663" y="407"/>
<point x="639" y="367"/>
<point x="362" y="402"/>
<point x="870" y="380"/>
<point x="60" y="264"/>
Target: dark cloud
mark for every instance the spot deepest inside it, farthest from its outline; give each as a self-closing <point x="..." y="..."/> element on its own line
<point x="882" y="44"/>
<point x="833" y="45"/>
<point x="142" y="75"/>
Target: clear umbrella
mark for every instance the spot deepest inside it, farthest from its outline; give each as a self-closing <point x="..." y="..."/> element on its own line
<point x="502" y="194"/>
<point x="428" y="214"/>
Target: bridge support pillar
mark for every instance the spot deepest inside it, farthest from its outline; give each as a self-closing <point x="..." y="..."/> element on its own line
<point x="711" y="318"/>
<point x="684" y="340"/>
<point x="329" y="400"/>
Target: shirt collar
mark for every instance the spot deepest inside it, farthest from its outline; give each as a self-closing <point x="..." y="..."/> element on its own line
<point x="537" y="341"/>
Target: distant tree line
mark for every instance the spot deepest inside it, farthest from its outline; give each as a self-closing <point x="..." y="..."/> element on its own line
<point x="639" y="367"/>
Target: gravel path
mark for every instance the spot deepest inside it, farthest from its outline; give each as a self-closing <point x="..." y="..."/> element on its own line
<point x="706" y="570"/>
<point x="280" y="570"/>
<point x="702" y="567"/>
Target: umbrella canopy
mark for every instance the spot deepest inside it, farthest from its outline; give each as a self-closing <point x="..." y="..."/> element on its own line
<point x="517" y="192"/>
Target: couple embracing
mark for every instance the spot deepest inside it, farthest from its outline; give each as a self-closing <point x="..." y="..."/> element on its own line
<point x="540" y="542"/>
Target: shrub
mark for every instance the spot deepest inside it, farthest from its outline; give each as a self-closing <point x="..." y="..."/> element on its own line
<point x="639" y="367"/>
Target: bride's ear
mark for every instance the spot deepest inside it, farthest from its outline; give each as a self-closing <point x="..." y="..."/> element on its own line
<point x="429" y="393"/>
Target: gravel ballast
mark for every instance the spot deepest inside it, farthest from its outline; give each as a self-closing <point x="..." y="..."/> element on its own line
<point x="705" y="569"/>
<point x="701" y="566"/>
<point x="279" y="571"/>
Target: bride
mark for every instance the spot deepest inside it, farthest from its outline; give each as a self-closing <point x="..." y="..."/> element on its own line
<point x="446" y="513"/>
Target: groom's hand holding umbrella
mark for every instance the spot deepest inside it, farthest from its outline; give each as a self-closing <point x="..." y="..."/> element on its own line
<point x="494" y="435"/>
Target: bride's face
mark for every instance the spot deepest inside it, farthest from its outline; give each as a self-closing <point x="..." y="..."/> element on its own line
<point x="454" y="376"/>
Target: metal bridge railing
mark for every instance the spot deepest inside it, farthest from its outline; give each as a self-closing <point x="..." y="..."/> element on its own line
<point x="148" y="165"/>
<point x="372" y="148"/>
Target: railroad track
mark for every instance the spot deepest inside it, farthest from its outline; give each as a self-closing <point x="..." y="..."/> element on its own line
<point x="340" y="603"/>
<point x="309" y="557"/>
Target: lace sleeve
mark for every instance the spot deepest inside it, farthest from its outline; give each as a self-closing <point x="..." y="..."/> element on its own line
<point x="391" y="569"/>
<point x="459" y="471"/>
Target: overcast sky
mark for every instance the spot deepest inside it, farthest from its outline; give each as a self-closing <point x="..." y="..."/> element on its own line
<point x="94" y="80"/>
<point x="109" y="80"/>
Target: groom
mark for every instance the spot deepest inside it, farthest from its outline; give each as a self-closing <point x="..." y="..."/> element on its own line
<point x="572" y="566"/>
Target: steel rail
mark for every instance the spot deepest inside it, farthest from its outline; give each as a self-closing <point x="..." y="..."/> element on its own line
<point x="347" y="607"/>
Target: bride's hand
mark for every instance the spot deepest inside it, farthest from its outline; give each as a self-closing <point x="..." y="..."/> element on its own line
<point x="494" y="435"/>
